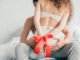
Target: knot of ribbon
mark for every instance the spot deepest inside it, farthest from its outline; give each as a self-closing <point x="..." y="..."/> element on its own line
<point x="42" y="41"/>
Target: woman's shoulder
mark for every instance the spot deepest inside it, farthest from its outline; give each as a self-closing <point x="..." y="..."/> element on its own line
<point x="29" y="19"/>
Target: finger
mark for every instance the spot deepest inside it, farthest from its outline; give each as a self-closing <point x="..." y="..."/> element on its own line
<point x="56" y="39"/>
<point x="52" y="46"/>
<point x="54" y="49"/>
<point x="60" y="45"/>
<point x="60" y="40"/>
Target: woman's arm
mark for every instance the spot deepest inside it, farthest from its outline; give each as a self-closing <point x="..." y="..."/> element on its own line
<point x="62" y="41"/>
<point x="24" y="34"/>
<point x="61" y="24"/>
<point x="37" y="19"/>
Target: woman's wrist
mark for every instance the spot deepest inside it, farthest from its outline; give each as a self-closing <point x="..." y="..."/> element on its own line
<point x="67" y="40"/>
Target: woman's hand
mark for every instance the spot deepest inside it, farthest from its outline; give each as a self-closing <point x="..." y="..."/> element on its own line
<point x="60" y="43"/>
<point x="32" y="41"/>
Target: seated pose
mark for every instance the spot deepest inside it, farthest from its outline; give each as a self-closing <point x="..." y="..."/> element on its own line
<point x="50" y="17"/>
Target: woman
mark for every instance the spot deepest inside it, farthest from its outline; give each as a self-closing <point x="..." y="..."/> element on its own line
<point x="53" y="21"/>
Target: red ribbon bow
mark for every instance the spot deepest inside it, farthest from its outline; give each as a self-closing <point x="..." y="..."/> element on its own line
<point x="40" y="40"/>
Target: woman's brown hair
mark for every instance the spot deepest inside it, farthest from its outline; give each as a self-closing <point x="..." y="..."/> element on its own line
<point x="67" y="3"/>
<point x="59" y="3"/>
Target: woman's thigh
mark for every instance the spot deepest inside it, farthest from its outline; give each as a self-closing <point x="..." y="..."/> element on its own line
<point x="24" y="51"/>
<point x="65" y="50"/>
<point x="36" y="56"/>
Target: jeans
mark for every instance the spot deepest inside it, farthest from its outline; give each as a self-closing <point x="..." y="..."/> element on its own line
<point x="71" y="51"/>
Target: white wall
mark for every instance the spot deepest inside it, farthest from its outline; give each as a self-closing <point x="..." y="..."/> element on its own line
<point x="76" y="13"/>
<point x="13" y="13"/>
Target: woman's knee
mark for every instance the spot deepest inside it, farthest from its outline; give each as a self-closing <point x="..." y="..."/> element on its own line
<point x="22" y="51"/>
<point x="21" y="47"/>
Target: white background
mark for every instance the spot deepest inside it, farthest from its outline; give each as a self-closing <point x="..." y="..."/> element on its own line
<point x="13" y="14"/>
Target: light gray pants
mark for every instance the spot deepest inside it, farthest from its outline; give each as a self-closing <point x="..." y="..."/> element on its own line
<point x="71" y="51"/>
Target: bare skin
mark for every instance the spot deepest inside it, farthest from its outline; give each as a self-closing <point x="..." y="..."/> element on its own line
<point x="59" y="26"/>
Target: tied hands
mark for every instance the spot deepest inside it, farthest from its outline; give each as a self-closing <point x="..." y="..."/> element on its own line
<point x="59" y="44"/>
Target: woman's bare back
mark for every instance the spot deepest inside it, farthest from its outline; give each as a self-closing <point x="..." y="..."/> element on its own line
<point x="50" y="21"/>
<point x="43" y="21"/>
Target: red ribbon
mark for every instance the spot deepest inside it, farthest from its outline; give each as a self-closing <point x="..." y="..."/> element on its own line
<point x="40" y="40"/>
